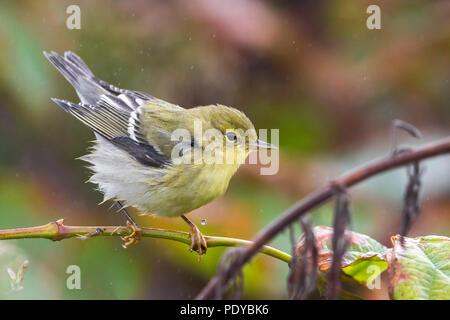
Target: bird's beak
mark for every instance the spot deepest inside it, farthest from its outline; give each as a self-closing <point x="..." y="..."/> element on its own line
<point x="263" y="145"/>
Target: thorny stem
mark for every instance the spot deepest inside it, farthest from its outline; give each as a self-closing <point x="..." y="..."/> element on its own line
<point x="58" y="231"/>
<point x="321" y="196"/>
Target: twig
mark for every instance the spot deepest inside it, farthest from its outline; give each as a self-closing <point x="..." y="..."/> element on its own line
<point x="339" y="242"/>
<point x="58" y="231"/>
<point x="302" y="279"/>
<point x="321" y="196"/>
<point x="237" y="285"/>
<point x="411" y="200"/>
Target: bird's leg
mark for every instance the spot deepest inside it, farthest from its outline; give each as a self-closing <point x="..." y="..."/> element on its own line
<point x="198" y="242"/>
<point x="136" y="231"/>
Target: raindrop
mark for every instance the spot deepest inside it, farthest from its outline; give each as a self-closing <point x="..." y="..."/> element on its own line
<point x="204" y="222"/>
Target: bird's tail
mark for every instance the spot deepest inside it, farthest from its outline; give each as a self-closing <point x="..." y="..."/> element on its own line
<point x="73" y="68"/>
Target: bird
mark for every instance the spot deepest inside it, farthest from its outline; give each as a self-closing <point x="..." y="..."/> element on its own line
<point x="137" y="162"/>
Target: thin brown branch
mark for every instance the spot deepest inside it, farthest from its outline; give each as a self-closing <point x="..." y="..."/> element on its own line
<point x="320" y="197"/>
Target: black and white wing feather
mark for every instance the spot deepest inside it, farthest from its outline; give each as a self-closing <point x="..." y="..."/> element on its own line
<point x="109" y="111"/>
<point x="88" y="87"/>
<point x="113" y="124"/>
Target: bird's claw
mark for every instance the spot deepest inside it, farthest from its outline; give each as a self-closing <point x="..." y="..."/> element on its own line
<point x="134" y="237"/>
<point x="198" y="242"/>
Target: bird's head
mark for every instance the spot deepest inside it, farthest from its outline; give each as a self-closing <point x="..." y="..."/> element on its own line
<point x="230" y="129"/>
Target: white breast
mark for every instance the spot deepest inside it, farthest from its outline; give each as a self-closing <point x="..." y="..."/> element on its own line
<point x="119" y="176"/>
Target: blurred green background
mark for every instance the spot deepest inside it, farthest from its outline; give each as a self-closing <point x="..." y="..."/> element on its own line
<point x="310" y="68"/>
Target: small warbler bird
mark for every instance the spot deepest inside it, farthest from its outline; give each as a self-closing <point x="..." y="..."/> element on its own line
<point x="133" y="160"/>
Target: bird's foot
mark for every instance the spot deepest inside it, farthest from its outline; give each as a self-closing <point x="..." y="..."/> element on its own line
<point x="198" y="242"/>
<point x="134" y="237"/>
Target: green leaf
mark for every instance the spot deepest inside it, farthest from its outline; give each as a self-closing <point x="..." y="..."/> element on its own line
<point x="365" y="269"/>
<point x="421" y="268"/>
<point x="364" y="260"/>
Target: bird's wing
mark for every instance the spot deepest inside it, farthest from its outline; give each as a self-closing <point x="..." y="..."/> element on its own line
<point x="126" y="94"/>
<point x="108" y="110"/>
<point x="120" y="127"/>
<point x="89" y="88"/>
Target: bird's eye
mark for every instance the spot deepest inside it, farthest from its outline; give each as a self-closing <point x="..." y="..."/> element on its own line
<point x="231" y="136"/>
